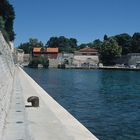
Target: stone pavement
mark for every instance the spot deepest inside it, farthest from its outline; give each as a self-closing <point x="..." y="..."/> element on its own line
<point x="49" y="121"/>
<point x="16" y="124"/>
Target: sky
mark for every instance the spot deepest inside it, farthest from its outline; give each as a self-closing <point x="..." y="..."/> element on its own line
<point x="85" y="20"/>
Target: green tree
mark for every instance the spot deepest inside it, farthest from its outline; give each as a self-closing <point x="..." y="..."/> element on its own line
<point x="32" y="43"/>
<point x="8" y="15"/>
<point x="2" y="23"/>
<point x="109" y="51"/>
<point x="53" y="42"/>
<point x="2" y="29"/>
<point x="25" y="47"/>
<point x="97" y="44"/>
<point x="39" y="60"/>
<point x="90" y="45"/>
<point x="81" y="46"/>
<point x="73" y="42"/>
<point x="64" y="44"/>
<point x="105" y="37"/>
<point x="136" y="43"/>
<point x="125" y="41"/>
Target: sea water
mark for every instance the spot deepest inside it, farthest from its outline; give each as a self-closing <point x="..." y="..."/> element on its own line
<point x="107" y="102"/>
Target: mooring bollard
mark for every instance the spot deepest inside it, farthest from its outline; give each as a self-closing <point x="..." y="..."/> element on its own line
<point x="34" y="101"/>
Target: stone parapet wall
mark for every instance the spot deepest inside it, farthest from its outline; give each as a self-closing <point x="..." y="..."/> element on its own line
<point x="6" y="80"/>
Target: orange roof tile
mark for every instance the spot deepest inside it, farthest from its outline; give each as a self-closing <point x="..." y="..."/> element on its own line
<point x="36" y="49"/>
<point x="52" y="50"/>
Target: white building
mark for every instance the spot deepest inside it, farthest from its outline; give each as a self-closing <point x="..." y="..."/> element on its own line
<point x="86" y="57"/>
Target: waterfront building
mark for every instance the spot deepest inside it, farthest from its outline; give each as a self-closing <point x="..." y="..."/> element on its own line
<point x="37" y="52"/>
<point x="51" y="53"/>
<point x="86" y="57"/>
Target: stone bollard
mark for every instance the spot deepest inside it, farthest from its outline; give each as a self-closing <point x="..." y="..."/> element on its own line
<point x="34" y="100"/>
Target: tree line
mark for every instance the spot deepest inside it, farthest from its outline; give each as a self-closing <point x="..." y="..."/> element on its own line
<point x="128" y="44"/>
<point x="109" y="48"/>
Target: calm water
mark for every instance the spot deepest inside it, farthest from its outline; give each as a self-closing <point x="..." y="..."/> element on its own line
<point x="106" y="102"/>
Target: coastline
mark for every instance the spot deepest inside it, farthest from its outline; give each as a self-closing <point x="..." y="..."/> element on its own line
<point x="94" y="68"/>
<point x="119" y="68"/>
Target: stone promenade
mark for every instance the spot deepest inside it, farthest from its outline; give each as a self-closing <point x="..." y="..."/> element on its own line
<point x="49" y="121"/>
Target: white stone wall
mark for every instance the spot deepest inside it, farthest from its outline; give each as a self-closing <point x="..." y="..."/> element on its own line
<point x="80" y="59"/>
<point x="133" y="58"/>
<point x="6" y="80"/>
<point x="20" y="56"/>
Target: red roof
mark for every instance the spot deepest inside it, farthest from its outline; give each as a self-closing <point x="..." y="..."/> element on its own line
<point x="87" y="49"/>
<point x="37" y="50"/>
<point x="52" y="50"/>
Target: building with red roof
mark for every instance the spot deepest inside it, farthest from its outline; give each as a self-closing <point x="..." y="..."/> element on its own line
<point x="87" y="51"/>
<point x="86" y="57"/>
<point x="51" y="53"/>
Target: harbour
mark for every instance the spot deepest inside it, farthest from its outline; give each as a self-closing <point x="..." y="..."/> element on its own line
<point x="105" y="101"/>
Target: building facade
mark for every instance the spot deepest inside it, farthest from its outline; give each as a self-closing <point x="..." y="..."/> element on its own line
<point x="86" y="57"/>
<point x="50" y="53"/>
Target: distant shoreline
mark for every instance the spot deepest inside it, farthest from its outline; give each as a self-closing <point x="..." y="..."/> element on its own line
<point x="119" y="68"/>
<point x="100" y="68"/>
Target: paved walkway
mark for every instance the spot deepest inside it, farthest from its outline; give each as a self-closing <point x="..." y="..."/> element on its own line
<point x="16" y="123"/>
<point x="49" y="121"/>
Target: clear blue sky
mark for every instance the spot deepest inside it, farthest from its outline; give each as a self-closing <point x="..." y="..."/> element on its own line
<point x="85" y="20"/>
